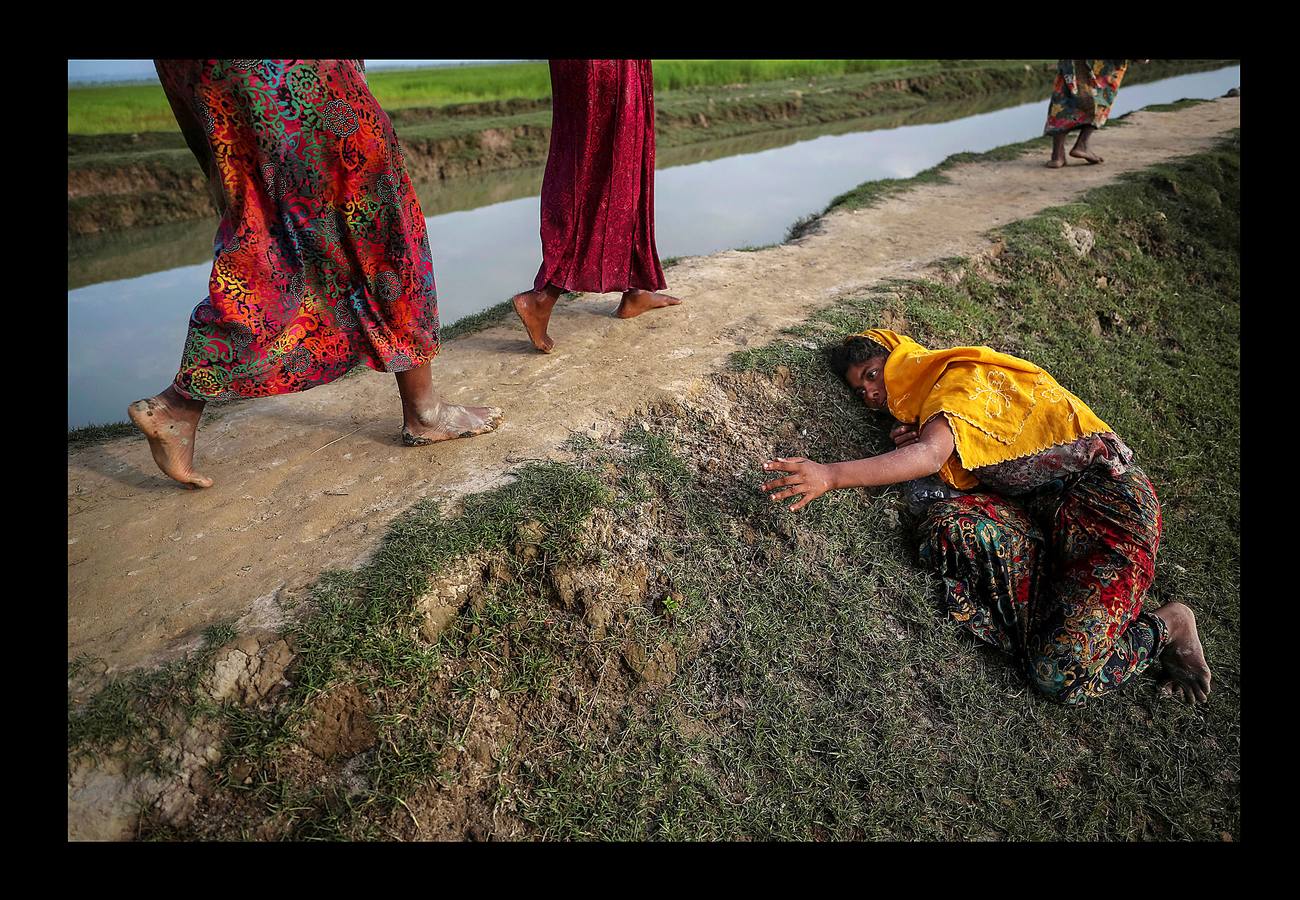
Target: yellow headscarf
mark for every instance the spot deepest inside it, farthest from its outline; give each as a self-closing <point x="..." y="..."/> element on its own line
<point x="998" y="406"/>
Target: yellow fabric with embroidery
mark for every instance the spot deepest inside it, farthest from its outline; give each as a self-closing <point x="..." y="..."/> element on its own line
<point x="999" y="407"/>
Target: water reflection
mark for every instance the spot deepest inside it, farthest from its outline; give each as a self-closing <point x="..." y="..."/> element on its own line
<point x="124" y="335"/>
<point x="139" y="251"/>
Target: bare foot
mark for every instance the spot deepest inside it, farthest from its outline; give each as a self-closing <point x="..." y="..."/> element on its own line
<point x="1186" y="672"/>
<point x="1085" y="153"/>
<point x="446" y="422"/>
<point x="170" y="430"/>
<point x="635" y="302"/>
<point x="1055" y="163"/>
<point x="534" y="309"/>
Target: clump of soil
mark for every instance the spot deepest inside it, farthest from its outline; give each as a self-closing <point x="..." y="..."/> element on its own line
<point x="524" y="652"/>
<point x="340" y="724"/>
<point x="536" y="647"/>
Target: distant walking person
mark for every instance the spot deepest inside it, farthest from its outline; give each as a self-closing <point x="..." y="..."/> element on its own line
<point x="321" y="257"/>
<point x="1084" y="91"/>
<point x="598" y="223"/>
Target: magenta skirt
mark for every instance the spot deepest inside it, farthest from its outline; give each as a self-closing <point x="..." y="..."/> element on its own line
<point x="598" y="222"/>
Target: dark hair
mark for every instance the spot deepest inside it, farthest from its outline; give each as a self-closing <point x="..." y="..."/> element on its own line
<point x="853" y="349"/>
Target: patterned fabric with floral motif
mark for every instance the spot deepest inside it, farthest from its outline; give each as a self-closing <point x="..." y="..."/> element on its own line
<point x="1015" y="476"/>
<point x="321" y="256"/>
<point x="1083" y="93"/>
<point x="1055" y="577"/>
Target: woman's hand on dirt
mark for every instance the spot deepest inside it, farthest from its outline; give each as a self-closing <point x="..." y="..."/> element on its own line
<point x="904" y="434"/>
<point x="812" y="479"/>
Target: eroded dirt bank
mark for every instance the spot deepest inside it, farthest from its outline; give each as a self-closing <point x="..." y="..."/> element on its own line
<point x="308" y="482"/>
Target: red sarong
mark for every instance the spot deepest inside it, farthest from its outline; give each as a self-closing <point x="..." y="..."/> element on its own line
<point x="321" y="258"/>
<point x="598" y="230"/>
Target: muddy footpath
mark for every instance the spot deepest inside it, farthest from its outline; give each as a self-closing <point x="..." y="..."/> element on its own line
<point x="308" y="482"/>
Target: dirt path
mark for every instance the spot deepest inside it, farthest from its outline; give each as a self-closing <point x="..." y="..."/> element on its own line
<point x="310" y="481"/>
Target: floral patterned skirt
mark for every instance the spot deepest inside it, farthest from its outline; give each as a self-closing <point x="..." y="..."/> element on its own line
<point x="1056" y="577"/>
<point x="1084" y="91"/>
<point x="321" y="259"/>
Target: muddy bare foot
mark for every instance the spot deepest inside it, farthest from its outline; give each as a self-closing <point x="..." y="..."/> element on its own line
<point x="1085" y="153"/>
<point x="1186" y="672"/>
<point x="171" y="439"/>
<point x="446" y="422"/>
<point x="637" y="301"/>
<point x="534" y="309"/>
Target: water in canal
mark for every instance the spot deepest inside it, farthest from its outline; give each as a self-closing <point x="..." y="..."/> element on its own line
<point x="129" y="301"/>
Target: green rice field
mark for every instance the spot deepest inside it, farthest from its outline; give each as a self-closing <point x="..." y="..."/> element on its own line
<point x="119" y="108"/>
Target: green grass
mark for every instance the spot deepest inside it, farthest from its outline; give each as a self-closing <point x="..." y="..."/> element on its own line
<point x="460" y="84"/>
<point x="870" y="193"/>
<point x="1185" y="103"/>
<point x="89" y="435"/>
<point x="692" y="123"/>
<point x="104" y="109"/>
<point x="492" y="316"/>
<point x="142" y="108"/>
<point x="125" y="108"/>
<point x="130" y="715"/>
<point x="363" y="629"/>
<point x="94" y="434"/>
<point x="819" y="694"/>
<point x="529" y="81"/>
<point x="679" y="74"/>
<point x="839" y="705"/>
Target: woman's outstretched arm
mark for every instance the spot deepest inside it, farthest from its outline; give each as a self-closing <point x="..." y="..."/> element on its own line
<point x="912" y="459"/>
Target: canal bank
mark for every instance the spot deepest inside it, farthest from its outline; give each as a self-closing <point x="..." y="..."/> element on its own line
<point x="306" y="482"/>
<point x="648" y="649"/>
<point x="740" y="193"/>
<point x="137" y="180"/>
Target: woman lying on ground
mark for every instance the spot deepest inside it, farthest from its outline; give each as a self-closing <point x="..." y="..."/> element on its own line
<point x="1050" y="553"/>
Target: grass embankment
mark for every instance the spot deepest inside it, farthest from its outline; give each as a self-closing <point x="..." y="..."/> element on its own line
<point x="127" y="180"/>
<point x="149" y="178"/>
<point x="649" y="649"/>
<point x="89" y="435"/>
<point x="116" y="254"/>
<point x="127" y="108"/>
<point x="872" y="192"/>
<point x="852" y="712"/>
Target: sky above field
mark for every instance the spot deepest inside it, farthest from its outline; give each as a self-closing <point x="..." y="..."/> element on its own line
<point x="89" y="70"/>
